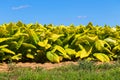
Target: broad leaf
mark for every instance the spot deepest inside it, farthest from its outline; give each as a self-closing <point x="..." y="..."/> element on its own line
<point x="13" y="45"/>
<point x="7" y="51"/>
<point x="66" y="46"/>
<point x="91" y="39"/>
<point x="47" y="46"/>
<point x="68" y="38"/>
<point x="59" y="42"/>
<point x="83" y="53"/>
<point x="101" y="44"/>
<point x="30" y="56"/>
<point x="54" y="37"/>
<point x="33" y="36"/>
<point x="70" y="51"/>
<point x="62" y="51"/>
<point x="4" y="39"/>
<point x="17" y="57"/>
<point x="102" y="57"/>
<point x="111" y="41"/>
<point x="28" y="45"/>
<point x="53" y="57"/>
<point x="116" y="49"/>
<point x="19" y="34"/>
<point x="20" y="42"/>
<point x="3" y="46"/>
<point x="44" y="44"/>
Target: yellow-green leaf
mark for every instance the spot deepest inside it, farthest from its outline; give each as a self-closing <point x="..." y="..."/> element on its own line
<point x="68" y="38"/>
<point x="102" y="57"/>
<point x="13" y="45"/>
<point x="83" y="53"/>
<point x="100" y="45"/>
<point x="59" y="48"/>
<point x="63" y="52"/>
<point x="17" y="57"/>
<point x="53" y="57"/>
<point x="47" y="46"/>
<point x="20" y="42"/>
<point x="30" y="56"/>
<point x="116" y="48"/>
<point x="70" y="51"/>
<point x="54" y="37"/>
<point x="7" y="51"/>
<point x="41" y="44"/>
<point x="91" y="39"/>
<point x="44" y="44"/>
<point x="27" y="45"/>
<point x="111" y="41"/>
<point x="33" y="36"/>
<point x="4" y="39"/>
<point x="3" y="46"/>
<point x="29" y="25"/>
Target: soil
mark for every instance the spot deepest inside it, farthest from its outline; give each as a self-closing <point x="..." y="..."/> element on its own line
<point x="6" y="67"/>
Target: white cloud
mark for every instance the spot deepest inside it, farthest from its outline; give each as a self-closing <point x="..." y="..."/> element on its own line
<point x="81" y="17"/>
<point x="20" y="7"/>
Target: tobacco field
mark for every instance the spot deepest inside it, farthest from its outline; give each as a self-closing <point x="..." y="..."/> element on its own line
<point x="52" y="43"/>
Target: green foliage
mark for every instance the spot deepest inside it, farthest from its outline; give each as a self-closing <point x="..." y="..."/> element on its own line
<point x="4" y="39"/>
<point x="53" y="57"/>
<point x="35" y="42"/>
<point x="83" y="53"/>
<point x="44" y="44"/>
<point x="62" y="52"/>
<point x="102" y="57"/>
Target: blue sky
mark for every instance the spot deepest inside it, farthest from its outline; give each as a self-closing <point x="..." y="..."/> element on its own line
<point x="57" y="12"/>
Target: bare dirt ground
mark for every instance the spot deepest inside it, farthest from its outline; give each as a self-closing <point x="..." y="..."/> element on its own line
<point x="6" y="67"/>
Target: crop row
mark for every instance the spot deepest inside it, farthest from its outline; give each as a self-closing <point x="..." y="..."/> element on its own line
<point x="41" y="43"/>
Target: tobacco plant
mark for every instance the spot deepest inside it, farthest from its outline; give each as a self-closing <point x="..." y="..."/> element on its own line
<point x="41" y="43"/>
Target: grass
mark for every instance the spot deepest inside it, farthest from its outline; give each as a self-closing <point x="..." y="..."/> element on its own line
<point x="84" y="71"/>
